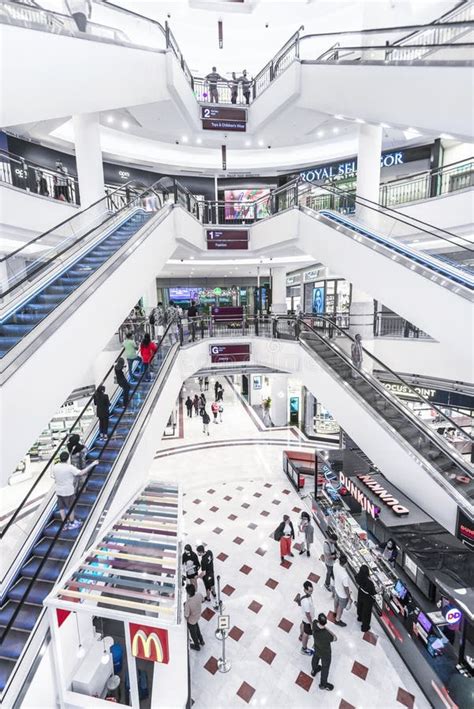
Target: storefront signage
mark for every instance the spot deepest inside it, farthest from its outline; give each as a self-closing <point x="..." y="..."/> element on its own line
<point x="409" y="393"/>
<point x="149" y="643"/>
<point x="313" y="275"/>
<point x="293" y="280"/>
<point x="222" y="113"/>
<point x="365" y="502"/>
<point x="227" y="239"/>
<point x="225" y="354"/>
<point x="465" y="529"/>
<point x="453" y="615"/>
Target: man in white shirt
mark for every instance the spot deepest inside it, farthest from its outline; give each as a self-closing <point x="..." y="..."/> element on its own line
<point x="307" y="612"/>
<point x="342" y="591"/>
<point x="80" y="11"/>
<point x="64" y="474"/>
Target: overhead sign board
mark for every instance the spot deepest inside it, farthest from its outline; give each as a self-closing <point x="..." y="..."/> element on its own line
<point x="227" y="239"/>
<point x="225" y="354"/>
<point x="223" y="113"/>
<point x="219" y="124"/>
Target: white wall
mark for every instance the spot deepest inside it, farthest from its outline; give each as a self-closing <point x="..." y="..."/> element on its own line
<point x="36" y="214"/>
<point x="415" y="356"/>
<point x="454" y="151"/>
<point x="450" y="211"/>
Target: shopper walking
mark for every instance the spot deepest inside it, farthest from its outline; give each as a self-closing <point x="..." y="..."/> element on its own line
<point x="122" y="381"/>
<point x="305" y="533"/>
<point x="206" y="559"/>
<point x="190" y="563"/>
<point x="131" y="353"/>
<point x="321" y="661"/>
<point x="160" y="319"/>
<point x="215" y="410"/>
<point x="196" y="405"/>
<point x="212" y="78"/>
<point x="147" y="352"/>
<point x="220" y="393"/>
<point x="173" y="322"/>
<point x="80" y="11"/>
<point x="306" y="604"/>
<point x="365" y="597"/>
<point x="201" y="383"/>
<point x="192" y="613"/>
<point x="221" y="411"/>
<point x="206" y="383"/>
<point x="206" y="420"/>
<point x="329" y="557"/>
<point x="202" y="404"/>
<point x="216" y="389"/>
<point x="77" y="455"/>
<point x="102" y="404"/>
<point x="284" y="533"/>
<point x="64" y="474"/>
<point x="189" y="406"/>
<point x="342" y="593"/>
<point x="192" y="319"/>
<point x="357" y="354"/>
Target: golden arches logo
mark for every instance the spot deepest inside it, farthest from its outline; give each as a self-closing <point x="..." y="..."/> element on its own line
<point x="149" y="643"/>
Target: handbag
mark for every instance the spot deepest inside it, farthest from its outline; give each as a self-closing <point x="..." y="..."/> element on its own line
<point x="278" y="533"/>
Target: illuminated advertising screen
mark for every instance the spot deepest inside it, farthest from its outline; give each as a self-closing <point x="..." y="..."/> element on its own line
<point x="178" y="294"/>
<point x="318" y="299"/>
<point x="239" y="203"/>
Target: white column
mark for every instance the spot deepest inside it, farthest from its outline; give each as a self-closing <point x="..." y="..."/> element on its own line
<point x="88" y="157"/>
<point x="279" y="408"/>
<point x="368" y="169"/>
<point x="150" y="296"/>
<point x="279" y="291"/>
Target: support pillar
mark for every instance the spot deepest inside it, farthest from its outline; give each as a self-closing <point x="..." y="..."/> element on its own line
<point x="88" y="158"/>
<point x="279" y="291"/>
<point x="279" y="395"/>
<point x="150" y="296"/>
<point x="368" y="170"/>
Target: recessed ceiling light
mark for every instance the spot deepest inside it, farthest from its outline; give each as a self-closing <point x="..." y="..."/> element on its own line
<point x="192" y="258"/>
<point x="125" y="124"/>
<point x="384" y="125"/>
<point x="110" y="119"/>
<point x="359" y="120"/>
<point x="199" y="141"/>
<point x="411" y="133"/>
<point x="261" y="143"/>
<point x="339" y="117"/>
<point x="184" y="138"/>
<point x="335" y="130"/>
<point x="248" y="143"/>
<point x="320" y="133"/>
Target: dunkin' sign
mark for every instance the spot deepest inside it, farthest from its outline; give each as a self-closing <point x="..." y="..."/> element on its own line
<point x="365" y="502"/>
<point x="149" y="643"/>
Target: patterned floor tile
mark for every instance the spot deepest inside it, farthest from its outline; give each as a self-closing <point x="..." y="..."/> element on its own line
<point x="198" y="521"/>
<point x="271" y="583"/>
<point x="228" y="498"/>
<point x="405" y="698"/>
<point x="246" y="692"/>
<point x="314" y="578"/>
<point x="370" y="637"/>
<point x="359" y="670"/>
<point x="285" y="564"/>
<point x="222" y="556"/>
<point x="207" y="614"/>
<point x="257" y="494"/>
<point x="276" y="502"/>
<point x="264" y="513"/>
<point x="213" y="509"/>
<point x="267" y="485"/>
<point x="232" y="517"/>
<point x="260" y="551"/>
<point x="267" y="655"/>
<point x="255" y="606"/>
<point x="245" y="569"/>
<point x="197" y="501"/>
<point x="217" y="530"/>
<point x="211" y="665"/>
<point x="245" y="505"/>
<point x="238" y="540"/>
<point x="252" y="525"/>
<point x="345" y="705"/>
<point x="304" y="681"/>
<point x="211" y="491"/>
<point x="235" y="633"/>
<point x="285" y="625"/>
<point x="228" y="590"/>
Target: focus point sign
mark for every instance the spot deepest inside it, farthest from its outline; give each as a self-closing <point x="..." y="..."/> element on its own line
<point x="149" y="643"/>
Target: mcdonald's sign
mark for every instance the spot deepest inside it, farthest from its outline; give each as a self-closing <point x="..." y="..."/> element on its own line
<point x="149" y="643"/>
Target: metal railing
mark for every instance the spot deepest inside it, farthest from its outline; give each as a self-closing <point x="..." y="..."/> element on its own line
<point x="38" y="179"/>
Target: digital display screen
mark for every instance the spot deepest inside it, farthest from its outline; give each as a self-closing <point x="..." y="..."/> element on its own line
<point x="239" y="203"/>
<point x="178" y="294"/>
<point x="425" y="623"/>
<point x="401" y="590"/>
<point x="318" y="299"/>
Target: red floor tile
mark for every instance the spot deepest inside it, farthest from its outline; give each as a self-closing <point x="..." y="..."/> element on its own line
<point x="211" y="665"/>
<point x="276" y="502"/>
<point x="257" y="494"/>
<point x="211" y="491"/>
<point x="304" y="681"/>
<point x="222" y="556"/>
<point x="267" y="655"/>
<point x="240" y="488"/>
<point x="314" y="578"/>
<point x="198" y="521"/>
<point x="228" y="498"/>
<point x="345" y="705"/>
<point x="267" y="485"/>
<point x="213" y="509"/>
<point x="235" y="633"/>
<point x="286" y="492"/>
<point x="264" y="513"/>
<point x="245" y="505"/>
<point x="246" y="569"/>
<point x="296" y="509"/>
<point x="207" y="614"/>
<point x="255" y="606"/>
<point x="197" y="501"/>
<point x="228" y="590"/>
<point x="285" y="625"/>
<point x="370" y="637"/>
<point x="260" y="551"/>
<point x="232" y="517"/>
<point x="246" y="692"/>
<point x="285" y="564"/>
<point x="217" y="530"/>
<point x="331" y="616"/>
<point x="359" y="670"/>
<point x="271" y="583"/>
<point x="238" y="540"/>
<point x="252" y="525"/>
<point x="405" y="698"/>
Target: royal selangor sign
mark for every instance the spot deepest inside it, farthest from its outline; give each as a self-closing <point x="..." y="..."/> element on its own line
<point x="364" y="500"/>
<point x="348" y="168"/>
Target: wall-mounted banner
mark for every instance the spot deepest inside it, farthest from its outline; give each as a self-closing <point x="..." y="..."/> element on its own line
<point x="149" y="643"/>
<point x="225" y="354"/>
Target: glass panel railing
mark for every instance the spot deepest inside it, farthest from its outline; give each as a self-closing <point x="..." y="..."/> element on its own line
<point x="38" y="179"/>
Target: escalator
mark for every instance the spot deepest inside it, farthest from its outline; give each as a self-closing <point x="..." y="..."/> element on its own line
<point x="53" y="544"/>
<point x="450" y="469"/>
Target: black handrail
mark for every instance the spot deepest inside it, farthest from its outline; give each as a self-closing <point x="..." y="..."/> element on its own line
<point x="56" y="451"/>
<point x="19" y="158"/>
<point x="439" y="20"/>
<point x="386" y="48"/>
<point x="387" y="30"/>
<point x="77" y="496"/>
<point x="371" y="356"/>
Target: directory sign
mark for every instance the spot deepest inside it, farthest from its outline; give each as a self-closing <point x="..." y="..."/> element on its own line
<point x="227" y="239"/>
<point x="223" y="113"/>
<point x="228" y="354"/>
<point x="219" y="124"/>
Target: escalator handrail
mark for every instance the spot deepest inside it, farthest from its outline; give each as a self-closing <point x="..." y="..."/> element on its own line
<point x="77" y="496"/>
<point x="46" y="264"/>
<point x="385" y="367"/>
<point x="438" y="21"/>
<point x="387" y="30"/>
<point x="56" y="451"/>
<point x="390" y="49"/>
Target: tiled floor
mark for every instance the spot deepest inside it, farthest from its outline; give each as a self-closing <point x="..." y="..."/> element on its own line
<point x="268" y="669"/>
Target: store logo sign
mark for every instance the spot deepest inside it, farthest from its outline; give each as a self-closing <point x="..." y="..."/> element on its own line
<point x="124" y="175"/>
<point x="453" y="615"/>
<point x="149" y="643"/>
<point x="367" y="505"/>
<point x="346" y="169"/>
<point x="312" y="275"/>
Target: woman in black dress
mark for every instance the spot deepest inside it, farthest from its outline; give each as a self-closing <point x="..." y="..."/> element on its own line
<point x="191" y="565"/>
<point x="365" y="597"/>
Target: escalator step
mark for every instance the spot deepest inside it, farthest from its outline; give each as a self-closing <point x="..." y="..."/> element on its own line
<point x="80" y="512"/>
<point x="60" y="549"/>
<point x="50" y="571"/>
<point x="26" y="618"/>
<point x="13" y="644"/>
<point x="6" y="668"/>
<point x="52" y="528"/>
<point x="36" y="595"/>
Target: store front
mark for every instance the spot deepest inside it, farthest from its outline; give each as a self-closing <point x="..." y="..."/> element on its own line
<point x="330" y="297"/>
<point x="294" y="302"/>
<point x="424" y="596"/>
<point x="318" y="423"/>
